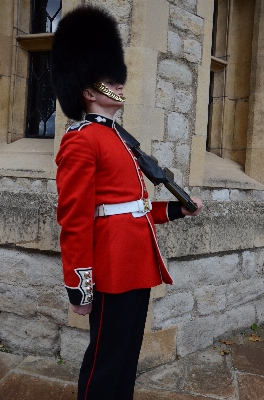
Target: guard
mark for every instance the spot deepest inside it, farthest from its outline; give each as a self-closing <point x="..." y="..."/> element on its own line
<point x="109" y="248"/>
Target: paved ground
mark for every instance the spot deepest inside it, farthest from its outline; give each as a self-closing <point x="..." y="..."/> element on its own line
<point x="233" y="371"/>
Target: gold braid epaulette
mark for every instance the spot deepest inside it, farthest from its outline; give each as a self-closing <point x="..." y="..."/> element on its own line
<point x="105" y="90"/>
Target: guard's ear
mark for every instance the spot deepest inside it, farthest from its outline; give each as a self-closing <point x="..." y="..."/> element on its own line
<point x="88" y="94"/>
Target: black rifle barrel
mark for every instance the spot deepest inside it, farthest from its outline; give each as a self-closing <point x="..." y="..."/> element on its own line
<point x="154" y="172"/>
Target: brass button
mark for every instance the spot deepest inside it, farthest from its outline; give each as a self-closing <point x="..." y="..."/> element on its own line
<point x="90" y="297"/>
<point x="88" y="282"/>
<point x="87" y="275"/>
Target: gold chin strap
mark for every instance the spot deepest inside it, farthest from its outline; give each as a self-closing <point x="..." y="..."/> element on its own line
<point x="105" y="90"/>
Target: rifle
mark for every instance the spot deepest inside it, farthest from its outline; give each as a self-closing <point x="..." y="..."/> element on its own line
<point x="154" y="172"/>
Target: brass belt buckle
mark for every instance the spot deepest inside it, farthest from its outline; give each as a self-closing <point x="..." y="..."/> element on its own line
<point x="146" y="205"/>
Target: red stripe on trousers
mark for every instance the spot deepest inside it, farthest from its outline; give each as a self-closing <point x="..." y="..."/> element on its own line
<point x="96" y="349"/>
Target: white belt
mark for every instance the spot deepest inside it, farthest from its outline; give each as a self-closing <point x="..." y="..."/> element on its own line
<point x="138" y="208"/>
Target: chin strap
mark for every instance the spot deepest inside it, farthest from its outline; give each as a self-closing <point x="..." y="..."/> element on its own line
<point x="109" y="93"/>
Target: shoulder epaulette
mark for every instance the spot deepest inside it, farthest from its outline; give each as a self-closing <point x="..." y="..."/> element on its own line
<point x="77" y="126"/>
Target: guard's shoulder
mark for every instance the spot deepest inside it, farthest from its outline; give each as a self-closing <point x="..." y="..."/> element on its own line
<point x="77" y="126"/>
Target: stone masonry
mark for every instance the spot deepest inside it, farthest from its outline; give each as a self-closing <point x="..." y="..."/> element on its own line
<point x="216" y="259"/>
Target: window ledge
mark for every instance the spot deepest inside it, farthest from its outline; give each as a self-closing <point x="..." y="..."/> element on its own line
<point x="36" y="42"/>
<point x="28" y="158"/>
<point x="226" y="173"/>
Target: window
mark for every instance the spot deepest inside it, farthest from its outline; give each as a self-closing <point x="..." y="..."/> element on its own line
<point x="230" y="79"/>
<point x="41" y="104"/>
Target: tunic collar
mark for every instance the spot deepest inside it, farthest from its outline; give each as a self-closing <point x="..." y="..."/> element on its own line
<point x="100" y="119"/>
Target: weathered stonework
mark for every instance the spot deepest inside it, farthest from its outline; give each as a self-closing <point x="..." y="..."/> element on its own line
<point x="216" y="259"/>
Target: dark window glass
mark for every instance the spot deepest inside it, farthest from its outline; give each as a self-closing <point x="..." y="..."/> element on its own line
<point x="41" y="99"/>
<point x="45" y="15"/>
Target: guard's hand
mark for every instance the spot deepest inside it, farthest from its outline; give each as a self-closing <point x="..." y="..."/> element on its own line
<point x="82" y="310"/>
<point x="199" y="205"/>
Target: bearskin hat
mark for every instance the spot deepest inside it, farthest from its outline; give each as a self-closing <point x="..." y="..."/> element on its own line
<point x="87" y="48"/>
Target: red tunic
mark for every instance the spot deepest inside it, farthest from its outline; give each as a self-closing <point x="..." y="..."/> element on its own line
<point x="96" y="167"/>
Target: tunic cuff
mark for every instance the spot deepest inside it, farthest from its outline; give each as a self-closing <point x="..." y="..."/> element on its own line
<point x="174" y="210"/>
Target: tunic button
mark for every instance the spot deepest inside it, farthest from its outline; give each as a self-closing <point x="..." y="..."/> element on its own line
<point x="145" y="189"/>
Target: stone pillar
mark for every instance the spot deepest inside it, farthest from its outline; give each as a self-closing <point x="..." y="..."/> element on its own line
<point x="205" y="9"/>
<point x="148" y="37"/>
<point x="255" y="144"/>
<point x="6" y="41"/>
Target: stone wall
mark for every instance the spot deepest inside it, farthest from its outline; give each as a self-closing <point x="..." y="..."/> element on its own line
<point x="216" y="259"/>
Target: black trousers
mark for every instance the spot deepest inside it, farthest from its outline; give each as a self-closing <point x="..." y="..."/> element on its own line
<point x="117" y="322"/>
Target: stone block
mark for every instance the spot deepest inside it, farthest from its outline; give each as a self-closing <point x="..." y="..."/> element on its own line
<point x="167" y="309"/>
<point x="192" y="50"/>
<point x="141" y="83"/>
<point x="205" y="9"/>
<point x="51" y="186"/>
<point x="255" y="163"/>
<point x="175" y="72"/>
<point x="207" y="43"/>
<point x="198" y="149"/>
<point x="250" y="387"/>
<point x="168" y="377"/>
<point x="237" y="195"/>
<point x="19" y="107"/>
<point x="236" y="319"/>
<point x="227" y="216"/>
<point x="195" y="335"/>
<point x="18" y="300"/>
<point x="36" y="335"/>
<point x="258" y="195"/>
<point x="4" y="103"/>
<point x="183" y="100"/>
<point x="150" y="24"/>
<point x="49" y="367"/>
<point x="49" y="229"/>
<point x="121" y="9"/>
<point x="157" y="348"/>
<point x="23" y="17"/>
<point x="164" y="95"/>
<point x="31" y="270"/>
<point x="6" y="54"/>
<point x="244" y="291"/>
<point x="7" y="362"/>
<point x="35" y="387"/>
<point x="248" y="359"/>
<point x="203" y="81"/>
<point x="259" y="305"/>
<point x="210" y="380"/>
<point x="175" y="44"/>
<point x="186" y="21"/>
<point x="144" y="123"/>
<point x="19" y="216"/>
<point x="178" y="128"/>
<point x="164" y="152"/>
<point x="220" y="195"/>
<point x="189" y="5"/>
<point x="7" y="14"/>
<point x="204" y="271"/>
<point x="182" y="154"/>
<point x="54" y="305"/>
<point x="210" y="299"/>
<point x="124" y="30"/>
<point x="22" y="62"/>
<point x="248" y="264"/>
<point x="74" y="343"/>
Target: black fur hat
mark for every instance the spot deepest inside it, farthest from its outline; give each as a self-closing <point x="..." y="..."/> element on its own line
<point x="86" y="48"/>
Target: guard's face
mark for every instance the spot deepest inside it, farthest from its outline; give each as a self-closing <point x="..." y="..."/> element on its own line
<point x="114" y="87"/>
<point x="100" y="103"/>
